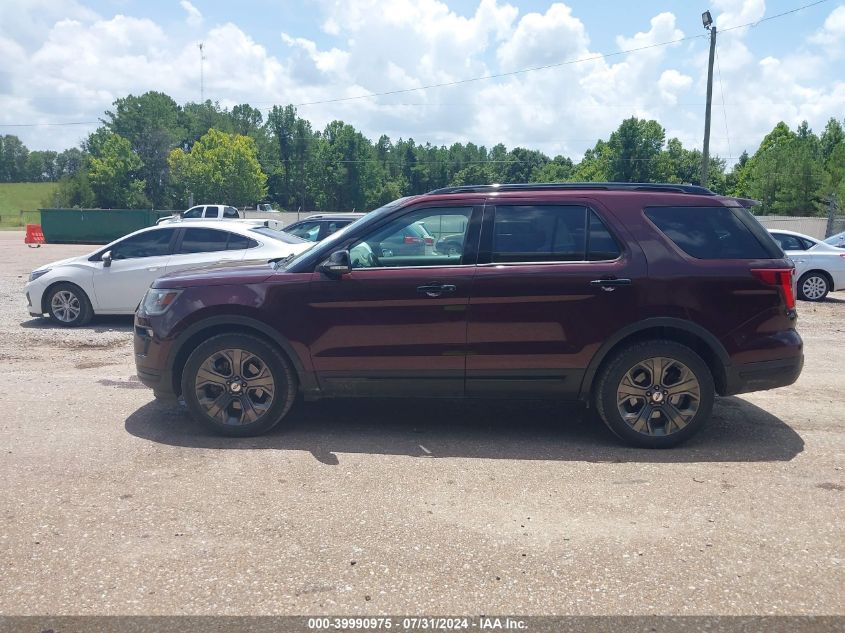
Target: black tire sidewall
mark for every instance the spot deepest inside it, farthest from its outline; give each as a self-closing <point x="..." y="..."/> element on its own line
<point x="85" y="310"/>
<point x="279" y="367"/>
<point x="618" y="366"/>
<point x="804" y="278"/>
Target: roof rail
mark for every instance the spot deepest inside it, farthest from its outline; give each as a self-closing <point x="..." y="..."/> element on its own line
<point x="563" y="186"/>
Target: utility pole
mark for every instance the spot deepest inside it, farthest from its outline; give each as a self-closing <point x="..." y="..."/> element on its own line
<point x="707" y="20"/>
<point x="202" y="73"/>
<point x="831" y="213"/>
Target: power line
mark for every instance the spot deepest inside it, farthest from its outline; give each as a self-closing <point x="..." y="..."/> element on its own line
<point x="521" y="71"/>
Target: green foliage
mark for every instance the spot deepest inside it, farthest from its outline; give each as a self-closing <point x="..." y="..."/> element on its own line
<point x="220" y="167"/>
<point x="113" y="175"/>
<point x="153" y="125"/>
<point x="20" y="201"/>
<point x="338" y="168"/>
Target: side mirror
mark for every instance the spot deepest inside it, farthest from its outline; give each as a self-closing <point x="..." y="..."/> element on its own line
<point x="106" y="257"/>
<point x="336" y="265"/>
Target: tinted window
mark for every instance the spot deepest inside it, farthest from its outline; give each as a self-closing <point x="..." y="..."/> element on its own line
<point x="203" y="241"/>
<point x="708" y="232"/>
<point x="193" y="212"/>
<point x="230" y="212"/>
<point x="148" y="244"/>
<point x="600" y="243"/>
<point x="210" y="212"/>
<point x="239" y="242"/>
<point x="790" y="242"/>
<point x="539" y="233"/>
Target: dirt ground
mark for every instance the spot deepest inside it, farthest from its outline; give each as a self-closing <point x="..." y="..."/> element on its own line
<point x="113" y="504"/>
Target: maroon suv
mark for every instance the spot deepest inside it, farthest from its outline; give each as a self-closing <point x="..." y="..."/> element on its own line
<point x="642" y="301"/>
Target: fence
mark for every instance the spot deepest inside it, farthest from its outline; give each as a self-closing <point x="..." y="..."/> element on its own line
<point x="17" y="219"/>
<point x="814" y="227"/>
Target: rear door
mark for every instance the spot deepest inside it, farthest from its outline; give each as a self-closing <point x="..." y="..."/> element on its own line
<point x="200" y="247"/>
<point x="552" y="284"/>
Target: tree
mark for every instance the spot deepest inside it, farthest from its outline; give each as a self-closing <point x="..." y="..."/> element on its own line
<point x="114" y="175"/>
<point x="13" y="155"/>
<point x="220" y="167"/>
<point x="634" y="149"/>
<point x="152" y="125"/>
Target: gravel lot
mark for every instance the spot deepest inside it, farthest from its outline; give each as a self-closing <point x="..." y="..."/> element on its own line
<point x="113" y="504"/>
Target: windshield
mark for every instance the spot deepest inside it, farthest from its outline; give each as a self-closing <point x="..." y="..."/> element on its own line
<point x="287" y="238"/>
<point x="327" y="245"/>
<point x="836" y="240"/>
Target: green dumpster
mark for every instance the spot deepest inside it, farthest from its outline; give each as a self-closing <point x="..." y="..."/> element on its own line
<point x="94" y="226"/>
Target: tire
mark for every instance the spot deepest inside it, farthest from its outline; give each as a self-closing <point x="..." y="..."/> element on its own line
<point x="813" y="286"/>
<point x="243" y="407"/>
<point x="655" y="418"/>
<point x="68" y="305"/>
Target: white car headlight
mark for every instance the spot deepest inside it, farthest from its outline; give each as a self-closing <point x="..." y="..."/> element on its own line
<point x="158" y="301"/>
<point x="35" y="274"/>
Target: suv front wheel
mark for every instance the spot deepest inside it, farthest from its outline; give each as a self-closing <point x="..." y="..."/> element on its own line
<point x="238" y="385"/>
<point x="655" y="394"/>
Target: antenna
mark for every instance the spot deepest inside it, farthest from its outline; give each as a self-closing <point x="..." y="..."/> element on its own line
<point x="202" y="74"/>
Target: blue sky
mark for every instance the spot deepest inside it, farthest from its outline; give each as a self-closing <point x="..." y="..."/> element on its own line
<point x="67" y="61"/>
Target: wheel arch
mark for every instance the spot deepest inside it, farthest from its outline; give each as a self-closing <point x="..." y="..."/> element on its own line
<point x="58" y="282"/>
<point x="201" y="331"/>
<point x="823" y="273"/>
<point x="681" y="331"/>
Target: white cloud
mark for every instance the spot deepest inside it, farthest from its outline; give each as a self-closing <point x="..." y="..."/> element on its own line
<point x="671" y="83"/>
<point x="544" y="39"/>
<point x="193" y="17"/>
<point x="80" y="62"/>
<point x="831" y="37"/>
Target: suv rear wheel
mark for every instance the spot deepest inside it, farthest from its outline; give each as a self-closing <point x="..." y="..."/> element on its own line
<point x="238" y="385"/>
<point x="655" y="394"/>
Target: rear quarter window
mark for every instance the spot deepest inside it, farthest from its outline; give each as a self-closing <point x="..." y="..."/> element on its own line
<point x="713" y="232"/>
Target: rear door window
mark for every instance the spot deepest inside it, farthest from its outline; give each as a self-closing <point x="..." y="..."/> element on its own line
<point x="210" y="212"/>
<point x="711" y="232"/>
<point x="550" y="233"/>
<point x="203" y="241"/>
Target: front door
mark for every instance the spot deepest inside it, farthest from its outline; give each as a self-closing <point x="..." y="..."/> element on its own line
<point x="137" y="261"/>
<point x="396" y="325"/>
<point x="553" y="283"/>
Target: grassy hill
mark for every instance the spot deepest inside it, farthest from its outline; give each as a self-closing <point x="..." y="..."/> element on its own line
<point x="23" y="196"/>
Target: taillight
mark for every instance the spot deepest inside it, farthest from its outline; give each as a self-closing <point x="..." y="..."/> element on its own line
<point x="780" y="277"/>
<point x="411" y="240"/>
<point x="429" y="241"/>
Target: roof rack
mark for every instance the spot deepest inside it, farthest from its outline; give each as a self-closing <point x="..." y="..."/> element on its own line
<point x="563" y="186"/>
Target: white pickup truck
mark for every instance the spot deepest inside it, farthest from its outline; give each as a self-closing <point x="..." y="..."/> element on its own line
<point x="204" y="212"/>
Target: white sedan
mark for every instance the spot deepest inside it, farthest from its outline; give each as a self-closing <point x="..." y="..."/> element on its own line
<point x="114" y="278"/>
<point x="819" y="267"/>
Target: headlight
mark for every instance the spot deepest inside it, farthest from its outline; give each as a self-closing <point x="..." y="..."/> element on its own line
<point x="158" y="301"/>
<point x="35" y="274"/>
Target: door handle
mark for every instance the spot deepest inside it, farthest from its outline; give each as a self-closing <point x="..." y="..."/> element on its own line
<point x="609" y="285"/>
<point x="153" y="269"/>
<point x="436" y="290"/>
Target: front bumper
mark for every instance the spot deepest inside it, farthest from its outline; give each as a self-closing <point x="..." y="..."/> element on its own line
<point x="151" y="360"/>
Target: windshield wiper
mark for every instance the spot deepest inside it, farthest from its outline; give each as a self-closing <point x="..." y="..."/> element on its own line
<point x="279" y="262"/>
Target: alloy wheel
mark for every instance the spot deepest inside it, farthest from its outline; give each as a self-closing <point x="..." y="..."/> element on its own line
<point x="65" y="306"/>
<point x="814" y="287"/>
<point x="658" y="396"/>
<point x="235" y="387"/>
